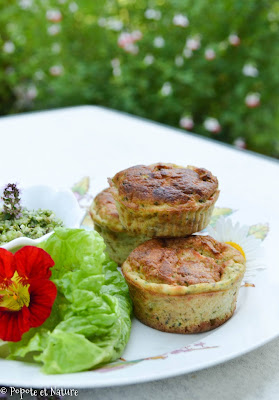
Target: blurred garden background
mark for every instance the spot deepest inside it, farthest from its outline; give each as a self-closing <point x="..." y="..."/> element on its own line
<point x="203" y="66"/>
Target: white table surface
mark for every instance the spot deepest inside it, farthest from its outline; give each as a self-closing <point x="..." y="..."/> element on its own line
<point x="58" y="147"/>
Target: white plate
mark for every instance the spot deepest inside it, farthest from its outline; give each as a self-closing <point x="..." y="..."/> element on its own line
<point x="61" y="201"/>
<point x="152" y="354"/>
<point x="85" y="143"/>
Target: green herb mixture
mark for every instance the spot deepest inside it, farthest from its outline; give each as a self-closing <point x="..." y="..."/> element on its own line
<point x="90" y="321"/>
<point x="31" y="224"/>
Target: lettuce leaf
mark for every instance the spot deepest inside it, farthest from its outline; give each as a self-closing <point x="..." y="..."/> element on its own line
<point x="90" y="321"/>
<point x="4" y="349"/>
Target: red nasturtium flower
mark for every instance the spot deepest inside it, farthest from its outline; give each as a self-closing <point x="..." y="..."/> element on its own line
<point x="26" y="293"/>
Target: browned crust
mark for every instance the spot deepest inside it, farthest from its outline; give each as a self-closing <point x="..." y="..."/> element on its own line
<point x="103" y="211"/>
<point x="105" y="205"/>
<point x="182" y="261"/>
<point x="161" y="184"/>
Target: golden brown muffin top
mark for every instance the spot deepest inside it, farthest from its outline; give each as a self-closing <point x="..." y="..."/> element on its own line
<point x="104" y="212"/>
<point x="183" y="261"/>
<point x="160" y="184"/>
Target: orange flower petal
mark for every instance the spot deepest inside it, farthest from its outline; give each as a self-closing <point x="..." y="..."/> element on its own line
<point x="7" y="266"/>
<point x="42" y="296"/>
<point x="32" y="267"/>
<point x="14" y="324"/>
<point x="32" y="262"/>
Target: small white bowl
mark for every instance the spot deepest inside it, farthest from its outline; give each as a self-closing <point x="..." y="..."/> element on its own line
<point x="61" y="201"/>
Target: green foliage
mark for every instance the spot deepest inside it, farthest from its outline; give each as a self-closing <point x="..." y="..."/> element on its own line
<point x="62" y="53"/>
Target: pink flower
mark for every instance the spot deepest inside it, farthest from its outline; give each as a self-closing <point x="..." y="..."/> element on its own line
<point x="56" y="70"/>
<point x="166" y="89"/>
<point x="131" y="48"/>
<point x="180" y="20"/>
<point x="31" y="92"/>
<point x="212" y="125"/>
<point x="193" y="43"/>
<point x="234" y="40"/>
<point x="39" y="75"/>
<point x="25" y="4"/>
<point x="186" y="122"/>
<point x="187" y="53"/>
<point x="25" y="95"/>
<point x="116" y="71"/>
<point x="240" y="143"/>
<point x="179" y="61"/>
<point x="152" y="14"/>
<point x="159" y="42"/>
<point x="115" y="63"/>
<point x="53" y="30"/>
<point x="9" y="47"/>
<point x="250" y="70"/>
<point x="136" y="35"/>
<point x="209" y="54"/>
<point x="252" y="100"/>
<point x="112" y="24"/>
<point x="148" y="59"/>
<point x="54" y="15"/>
<point x="125" y="39"/>
<point x="73" y="7"/>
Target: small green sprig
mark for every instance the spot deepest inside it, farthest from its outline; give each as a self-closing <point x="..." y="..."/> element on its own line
<point x="11" y="208"/>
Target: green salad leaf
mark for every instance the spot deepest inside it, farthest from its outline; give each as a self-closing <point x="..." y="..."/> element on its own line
<point x="4" y="350"/>
<point x="90" y="321"/>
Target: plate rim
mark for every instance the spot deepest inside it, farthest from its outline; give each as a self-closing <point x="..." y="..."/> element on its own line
<point x="88" y="379"/>
<point x="141" y="379"/>
<point x="48" y="381"/>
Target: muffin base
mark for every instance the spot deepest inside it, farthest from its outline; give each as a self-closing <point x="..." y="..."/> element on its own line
<point x="119" y="244"/>
<point x="190" y="313"/>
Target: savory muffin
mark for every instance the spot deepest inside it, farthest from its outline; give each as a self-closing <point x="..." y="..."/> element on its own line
<point x="184" y="285"/>
<point x="164" y="199"/>
<point x="118" y="241"/>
